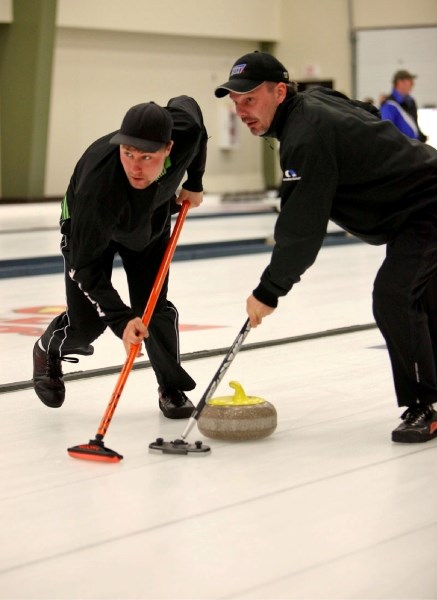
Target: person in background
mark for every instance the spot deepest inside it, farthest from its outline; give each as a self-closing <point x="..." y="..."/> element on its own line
<point x="340" y="161"/>
<point x="119" y="201"/>
<point x="400" y="107"/>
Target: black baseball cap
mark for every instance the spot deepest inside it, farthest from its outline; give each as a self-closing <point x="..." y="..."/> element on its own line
<point x="145" y="126"/>
<point x="250" y="71"/>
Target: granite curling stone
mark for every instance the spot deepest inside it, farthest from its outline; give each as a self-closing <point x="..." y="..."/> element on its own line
<point x="238" y="417"/>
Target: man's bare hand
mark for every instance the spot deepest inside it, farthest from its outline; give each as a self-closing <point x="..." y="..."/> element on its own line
<point x="194" y="198"/>
<point x="256" y="311"/>
<point x="134" y="334"/>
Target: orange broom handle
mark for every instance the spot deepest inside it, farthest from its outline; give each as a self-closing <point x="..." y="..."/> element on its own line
<point x="147" y="315"/>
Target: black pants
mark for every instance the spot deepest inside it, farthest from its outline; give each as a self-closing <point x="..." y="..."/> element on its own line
<point x="405" y="309"/>
<point x="80" y="324"/>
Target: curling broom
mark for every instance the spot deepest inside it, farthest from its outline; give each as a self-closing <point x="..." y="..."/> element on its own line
<point x="95" y="449"/>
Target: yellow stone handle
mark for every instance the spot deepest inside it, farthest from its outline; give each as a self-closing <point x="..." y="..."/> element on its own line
<point x="238" y="399"/>
<point x="239" y="394"/>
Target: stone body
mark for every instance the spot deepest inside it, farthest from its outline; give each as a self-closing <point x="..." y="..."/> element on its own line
<point x="238" y="422"/>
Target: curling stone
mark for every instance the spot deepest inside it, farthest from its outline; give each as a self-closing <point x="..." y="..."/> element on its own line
<point x="238" y="417"/>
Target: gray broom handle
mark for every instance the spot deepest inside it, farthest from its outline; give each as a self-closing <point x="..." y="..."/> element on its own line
<point x="233" y="350"/>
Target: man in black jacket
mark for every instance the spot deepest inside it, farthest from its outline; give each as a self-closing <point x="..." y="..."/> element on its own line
<point x="341" y="162"/>
<point x="119" y="201"/>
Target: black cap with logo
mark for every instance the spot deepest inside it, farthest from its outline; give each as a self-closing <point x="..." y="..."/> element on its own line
<point x="250" y="71"/>
<point x="145" y="126"/>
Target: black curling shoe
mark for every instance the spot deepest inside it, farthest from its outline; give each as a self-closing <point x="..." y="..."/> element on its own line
<point x="419" y="425"/>
<point x="48" y="380"/>
<point x="174" y="403"/>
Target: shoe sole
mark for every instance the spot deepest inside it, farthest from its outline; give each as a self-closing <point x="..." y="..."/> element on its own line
<point x="56" y="404"/>
<point x="412" y="438"/>
<point x="183" y="413"/>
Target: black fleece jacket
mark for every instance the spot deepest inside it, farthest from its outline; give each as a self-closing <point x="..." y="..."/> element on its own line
<point x="340" y="162"/>
<point x="102" y="209"/>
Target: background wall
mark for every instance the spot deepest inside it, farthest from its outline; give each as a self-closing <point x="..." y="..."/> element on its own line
<point x="5" y="17"/>
<point x="98" y="75"/>
<point x="111" y="54"/>
<point x="315" y="40"/>
<point x="5" y="11"/>
<point x="108" y="58"/>
<point x="382" y="51"/>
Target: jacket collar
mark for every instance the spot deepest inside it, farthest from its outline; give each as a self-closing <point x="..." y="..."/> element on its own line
<point x="280" y="117"/>
<point x="398" y="96"/>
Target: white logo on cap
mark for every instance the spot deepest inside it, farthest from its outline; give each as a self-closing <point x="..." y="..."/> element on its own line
<point x="238" y="69"/>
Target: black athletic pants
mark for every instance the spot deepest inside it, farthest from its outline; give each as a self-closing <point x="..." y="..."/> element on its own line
<point x="405" y="309"/>
<point x="80" y="324"/>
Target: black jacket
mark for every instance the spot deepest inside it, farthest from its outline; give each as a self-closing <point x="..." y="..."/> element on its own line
<point x="101" y="208"/>
<point x="340" y="162"/>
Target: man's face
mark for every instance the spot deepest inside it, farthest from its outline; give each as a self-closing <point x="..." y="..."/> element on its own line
<point x="404" y="86"/>
<point x="257" y="108"/>
<point x="143" y="168"/>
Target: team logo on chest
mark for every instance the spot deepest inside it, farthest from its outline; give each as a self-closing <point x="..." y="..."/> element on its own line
<point x="290" y="175"/>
